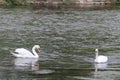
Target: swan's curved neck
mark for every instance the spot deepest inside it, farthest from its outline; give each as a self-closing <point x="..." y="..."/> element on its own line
<point x="34" y="52"/>
<point x="96" y="54"/>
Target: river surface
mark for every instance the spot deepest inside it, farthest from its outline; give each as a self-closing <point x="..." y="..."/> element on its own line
<point x="68" y="40"/>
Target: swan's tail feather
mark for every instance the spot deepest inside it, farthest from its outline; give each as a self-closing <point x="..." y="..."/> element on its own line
<point x="15" y="54"/>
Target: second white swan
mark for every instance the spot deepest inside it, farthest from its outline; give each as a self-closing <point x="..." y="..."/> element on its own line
<point x="24" y="53"/>
<point x="100" y="58"/>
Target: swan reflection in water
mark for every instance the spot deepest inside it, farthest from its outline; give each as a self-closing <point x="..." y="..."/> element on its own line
<point x="30" y="64"/>
<point x="26" y="63"/>
<point x="100" y="69"/>
<point x="100" y="66"/>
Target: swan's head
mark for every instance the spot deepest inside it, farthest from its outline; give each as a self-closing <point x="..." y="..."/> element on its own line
<point x="96" y="50"/>
<point x="37" y="48"/>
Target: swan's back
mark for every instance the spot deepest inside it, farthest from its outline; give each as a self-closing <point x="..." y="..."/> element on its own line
<point x="101" y="59"/>
<point x="21" y="52"/>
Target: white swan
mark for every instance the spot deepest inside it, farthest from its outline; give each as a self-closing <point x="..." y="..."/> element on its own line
<point x="21" y="52"/>
<point x="100" y="58"/>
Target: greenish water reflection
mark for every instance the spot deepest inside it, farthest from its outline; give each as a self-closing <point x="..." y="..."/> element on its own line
<point x="67" y="38"/>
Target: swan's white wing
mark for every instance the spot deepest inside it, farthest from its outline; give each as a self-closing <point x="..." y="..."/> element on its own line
<point x="21" y="52"/>
<point x="101" y="59"/>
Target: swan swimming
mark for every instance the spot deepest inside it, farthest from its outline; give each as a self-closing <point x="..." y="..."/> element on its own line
<point x="24" y="53"/>
<point x="100" y="58"/>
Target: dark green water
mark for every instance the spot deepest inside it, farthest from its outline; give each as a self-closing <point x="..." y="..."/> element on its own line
<point x="68" y="40"/>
